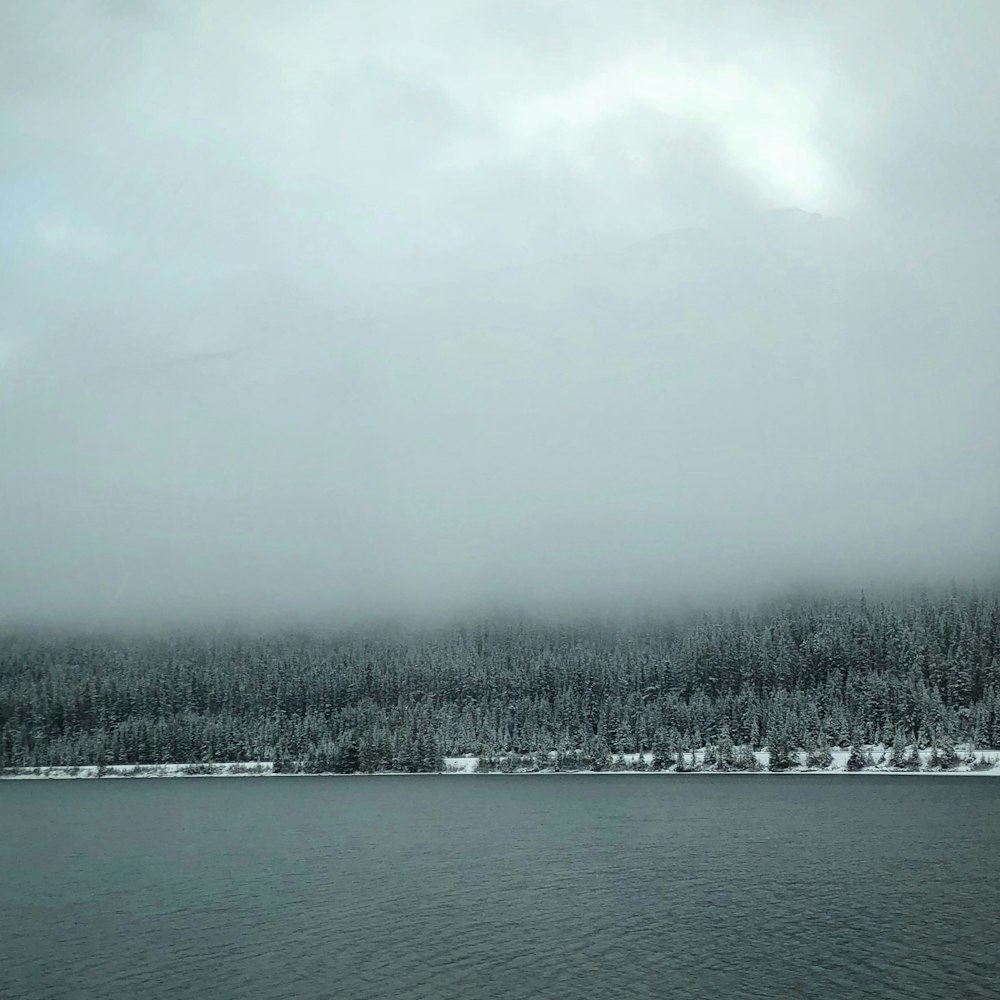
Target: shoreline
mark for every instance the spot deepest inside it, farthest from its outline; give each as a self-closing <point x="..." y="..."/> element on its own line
<point x="468" y="765"/>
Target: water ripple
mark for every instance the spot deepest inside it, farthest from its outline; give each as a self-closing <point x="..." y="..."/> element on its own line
<point x="500" y="887"/>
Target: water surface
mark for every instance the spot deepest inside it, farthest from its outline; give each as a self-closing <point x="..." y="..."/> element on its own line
<point x="483" y="887"/>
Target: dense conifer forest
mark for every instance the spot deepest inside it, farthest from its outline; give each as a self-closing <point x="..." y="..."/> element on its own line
<point x="798" y="678"/>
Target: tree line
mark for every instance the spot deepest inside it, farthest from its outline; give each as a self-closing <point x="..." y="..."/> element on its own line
<point x="796" y="677"/>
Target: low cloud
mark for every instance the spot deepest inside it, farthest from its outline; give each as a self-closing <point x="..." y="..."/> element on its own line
<point x="360" y="309"/>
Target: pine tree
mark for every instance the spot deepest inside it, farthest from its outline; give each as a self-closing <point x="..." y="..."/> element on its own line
<point x="898" y="755"/>
<point x="819" y="755"/>
<point x="662" y="757"/>
<point x="781" y="755"/>
<point x="947" y="755"/>
<point x="857" y="759"/>
<point x="347" y="758"/>
<point x="725" y="752"/>
<point x="745" y="759"/>
<point x="281" y="765"/>
<point x="598" y="754"/>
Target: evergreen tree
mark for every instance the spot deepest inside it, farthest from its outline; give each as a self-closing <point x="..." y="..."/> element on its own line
<point x="282" y="765"/>
<point x="725" y="752"/>
<point x="663" y="759"/>
<point x="947" y="755"/>
<point x="780" y="750"/>
<point x="898" y="755"/>
<point x="857" y="760"/>
<point x="819" y="755"/>
<point x="598" y="754"/>
<point x="745" y="759"/>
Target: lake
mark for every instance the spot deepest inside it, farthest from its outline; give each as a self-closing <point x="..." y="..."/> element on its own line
<point x="467" y="888"/>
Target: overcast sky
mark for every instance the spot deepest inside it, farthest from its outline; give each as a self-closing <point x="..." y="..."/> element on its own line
<point x="344" y="309"/>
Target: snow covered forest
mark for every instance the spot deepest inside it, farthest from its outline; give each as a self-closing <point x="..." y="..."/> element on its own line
<point x="801" y="676"/>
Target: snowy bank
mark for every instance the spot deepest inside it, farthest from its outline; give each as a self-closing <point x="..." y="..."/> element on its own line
<point x="987" y="763"/>
<point x="253" y="769"/>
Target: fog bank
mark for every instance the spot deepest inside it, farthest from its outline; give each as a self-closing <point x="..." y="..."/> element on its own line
<point x="362" y="309"/>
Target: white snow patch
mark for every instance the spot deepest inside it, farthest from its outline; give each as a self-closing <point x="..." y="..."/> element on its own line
<point x="230" y="769"/>
<point x="468" y="765"/>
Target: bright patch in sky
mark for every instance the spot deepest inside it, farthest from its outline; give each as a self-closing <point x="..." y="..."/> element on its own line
<point x="789" y="170"/>
<point x="766" y="126"/>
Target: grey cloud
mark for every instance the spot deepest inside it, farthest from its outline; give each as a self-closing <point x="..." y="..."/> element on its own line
<point x="348" y="309"/>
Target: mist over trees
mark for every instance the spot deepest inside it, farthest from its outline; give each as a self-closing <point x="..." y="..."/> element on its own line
<point x="798" y="678"/>
<point x="539" y="307"/>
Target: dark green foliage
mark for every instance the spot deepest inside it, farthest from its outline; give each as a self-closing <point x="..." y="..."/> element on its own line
<point x="819" y="755"/>
<point x="722" y="755"/>
<point x="781" y="749"/>
<point x="201" y="769"/>
<point x="858" y="759"/>
<point x="282" y="764"/>
<point x="663" y="759"/>
<point x="947" y="756"/>
<point x="597" y="755"/>
<point x="808" y="673"/>
<point x="744" y="759"/>
<point x="898" y="756"/>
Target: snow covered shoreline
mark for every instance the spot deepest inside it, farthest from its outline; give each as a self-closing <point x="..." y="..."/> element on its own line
<point x="468" y="765"/>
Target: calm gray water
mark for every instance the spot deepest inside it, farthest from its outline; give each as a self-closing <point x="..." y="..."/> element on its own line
<point x="501" y="887"/>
